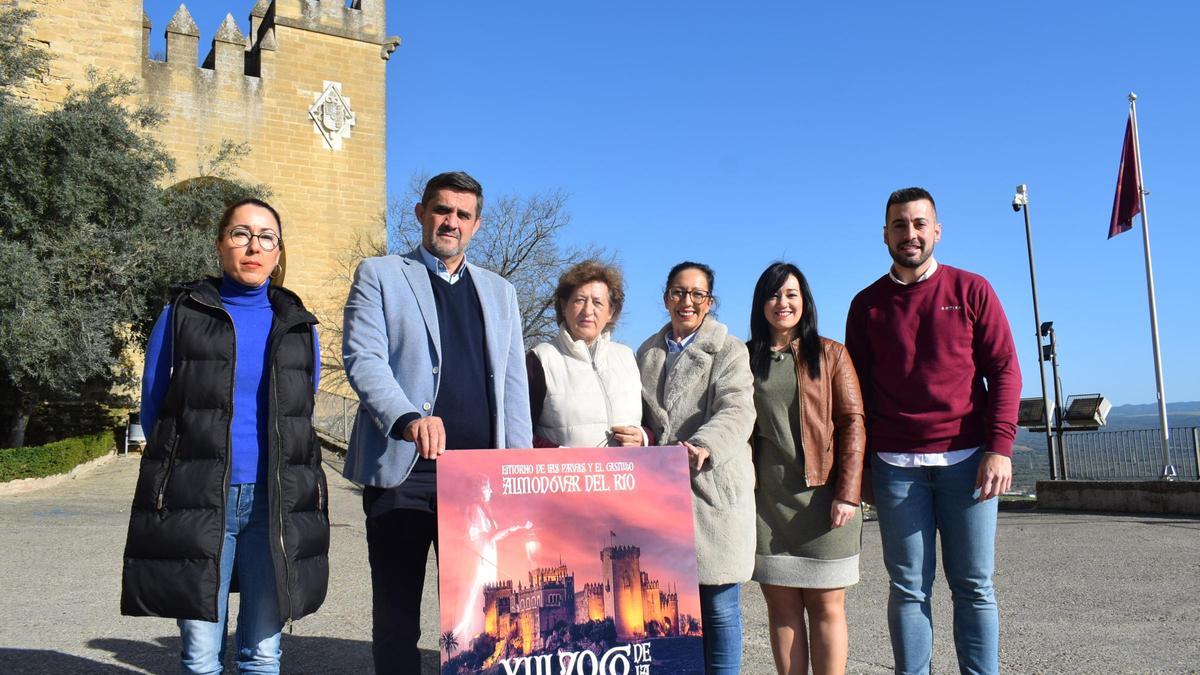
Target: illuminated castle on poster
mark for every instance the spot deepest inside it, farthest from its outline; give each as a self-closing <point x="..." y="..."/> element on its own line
<point x="636" y="604"/>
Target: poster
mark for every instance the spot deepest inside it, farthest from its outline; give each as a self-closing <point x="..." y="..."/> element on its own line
<point x="568" y="562"/>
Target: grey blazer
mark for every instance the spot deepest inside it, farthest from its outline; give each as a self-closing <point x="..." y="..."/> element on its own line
<point x="391" y="345"/>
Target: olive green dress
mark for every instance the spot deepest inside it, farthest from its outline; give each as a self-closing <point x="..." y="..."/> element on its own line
<point x="796" y="545"/>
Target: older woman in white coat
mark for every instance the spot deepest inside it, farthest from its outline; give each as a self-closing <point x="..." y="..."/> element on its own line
<point x="699" y="393"/>
<point x="584" y="389"/>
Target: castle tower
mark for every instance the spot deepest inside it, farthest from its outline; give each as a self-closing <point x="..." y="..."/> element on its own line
<point x="589" y="603"/>
<point x="670" y="612"/>
<point x="651" y="600"/>
<point x="304" y="89"/>
<point x="623" y="590"/>
<point x="497" y="608"/>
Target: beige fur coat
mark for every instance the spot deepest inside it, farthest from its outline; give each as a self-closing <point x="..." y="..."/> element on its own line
<point x="708" y="400"/>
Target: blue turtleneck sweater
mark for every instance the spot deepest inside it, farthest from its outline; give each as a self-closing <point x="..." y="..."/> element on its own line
<point x="251" y="312"/>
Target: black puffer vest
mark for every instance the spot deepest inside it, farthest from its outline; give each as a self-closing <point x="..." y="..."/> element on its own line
<point x="177" y="523"/>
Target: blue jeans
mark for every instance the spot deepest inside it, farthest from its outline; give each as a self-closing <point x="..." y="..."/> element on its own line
<point x="721" y="614"/>
<point x="248" y="552"/>
<point x="913" y="503"/>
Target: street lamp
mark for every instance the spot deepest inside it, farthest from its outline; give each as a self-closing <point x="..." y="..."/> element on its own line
<point x="1021" y="203"/>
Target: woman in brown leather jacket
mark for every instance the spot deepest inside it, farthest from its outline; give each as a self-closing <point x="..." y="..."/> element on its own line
<point x="809" y="440"/>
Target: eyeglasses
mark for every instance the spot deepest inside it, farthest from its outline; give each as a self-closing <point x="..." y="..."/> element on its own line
<point x="240" y="237"/>
<point x="676" y="294"/>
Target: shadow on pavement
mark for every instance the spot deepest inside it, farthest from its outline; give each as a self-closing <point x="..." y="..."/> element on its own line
<point x="47" y="661"/>
<point x="301" y="654"/>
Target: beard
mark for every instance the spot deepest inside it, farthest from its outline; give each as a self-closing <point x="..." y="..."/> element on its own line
<point x="904" y="260"/>
<point x="442" y="250"/>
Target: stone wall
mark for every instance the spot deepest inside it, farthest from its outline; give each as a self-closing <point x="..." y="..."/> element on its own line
<point x="1159" y="497"/>
<point x="305" y="90"/>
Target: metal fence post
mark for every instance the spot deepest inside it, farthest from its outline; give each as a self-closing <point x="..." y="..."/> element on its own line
<point x="1196" y="449"/>
<point x="1062" y="447"/>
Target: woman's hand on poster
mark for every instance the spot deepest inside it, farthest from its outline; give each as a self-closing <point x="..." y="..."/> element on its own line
<point x="629" y="437"/>
<point x="841" y="512"/>
<point x="696" y="455"/>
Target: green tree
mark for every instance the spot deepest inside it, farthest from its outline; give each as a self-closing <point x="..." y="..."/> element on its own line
<point x="19" y="60"/>
<point x="89" y="238"/>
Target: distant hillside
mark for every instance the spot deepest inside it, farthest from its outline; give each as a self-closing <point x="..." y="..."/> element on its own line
<point x="1187" y="407"/>
<point x="1145" y="415"/>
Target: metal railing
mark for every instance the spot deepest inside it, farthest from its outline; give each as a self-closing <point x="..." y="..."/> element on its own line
<point x="333" y="415"/>
<point x="1131" y="454"/>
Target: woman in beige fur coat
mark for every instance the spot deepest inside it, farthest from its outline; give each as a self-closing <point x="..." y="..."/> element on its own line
<point x="699" y="393"/>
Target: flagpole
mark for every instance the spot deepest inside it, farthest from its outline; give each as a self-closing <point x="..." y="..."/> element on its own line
<point x="1168" y="470"/>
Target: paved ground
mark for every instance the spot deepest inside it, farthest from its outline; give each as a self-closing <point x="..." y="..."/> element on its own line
<point x="1079" y="593"/>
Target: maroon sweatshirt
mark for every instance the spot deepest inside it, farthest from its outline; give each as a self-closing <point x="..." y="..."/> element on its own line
<point x="923" y="353"/>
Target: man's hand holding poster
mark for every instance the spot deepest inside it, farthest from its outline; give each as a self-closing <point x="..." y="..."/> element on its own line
<point x="568" y="562"/>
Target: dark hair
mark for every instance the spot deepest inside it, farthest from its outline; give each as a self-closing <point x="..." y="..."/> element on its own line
<point x="689" y="265"/>
<point x="227" y="216"/>
<point x="906" y="195"/>
<point x="459" y="181"/>
<point x="585" y="273"/>
<point x="770" y="281"/>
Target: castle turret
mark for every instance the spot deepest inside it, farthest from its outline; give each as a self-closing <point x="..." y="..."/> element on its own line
<point x="146" y="26"/>
<point x="183" y="40"/>
<point x="623" y="590"/>
<point x="651" y="600"/>
<point x="363" y="19"/>
<point x="497" y="607"/>
<point x="228" y="54"/>
<point x="670" y="611"/>
<point x="589" y="603"/>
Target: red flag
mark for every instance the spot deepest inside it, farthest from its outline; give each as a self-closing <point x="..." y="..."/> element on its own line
<point x="1127" y="202"/>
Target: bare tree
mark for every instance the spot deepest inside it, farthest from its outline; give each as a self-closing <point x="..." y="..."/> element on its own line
<point x="520" y="240"/>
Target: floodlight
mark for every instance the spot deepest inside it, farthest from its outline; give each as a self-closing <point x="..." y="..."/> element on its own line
<point x="1086" y="411"/>
<point x="1032" y="414"/>
<point x="1021" y="198"/>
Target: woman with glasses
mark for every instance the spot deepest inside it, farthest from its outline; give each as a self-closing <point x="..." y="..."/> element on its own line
<point x="230" y="491"/>
<point x="698" y="393"/>
<point x="584" y="389"/>
<point x="808" y="453"/>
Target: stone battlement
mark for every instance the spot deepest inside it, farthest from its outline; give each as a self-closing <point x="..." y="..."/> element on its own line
<point x="544" y="575"/>
<point x="624" y="551"/>
<point x="233" y="53"/>
<point x="497" y="586"/>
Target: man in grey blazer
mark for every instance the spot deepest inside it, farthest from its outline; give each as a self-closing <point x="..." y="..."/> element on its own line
<point x="433" y="347"/>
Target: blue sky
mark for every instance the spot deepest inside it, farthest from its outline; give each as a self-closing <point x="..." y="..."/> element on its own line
<point x="740" y="133"/>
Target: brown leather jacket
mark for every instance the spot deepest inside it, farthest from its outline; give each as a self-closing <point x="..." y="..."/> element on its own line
<point x="832" y="422"/>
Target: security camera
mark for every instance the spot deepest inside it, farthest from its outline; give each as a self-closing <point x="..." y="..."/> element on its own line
<point x="1021" y="198"/>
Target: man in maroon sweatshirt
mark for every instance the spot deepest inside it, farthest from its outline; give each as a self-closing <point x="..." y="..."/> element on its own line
<point x="941" y="386"/>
